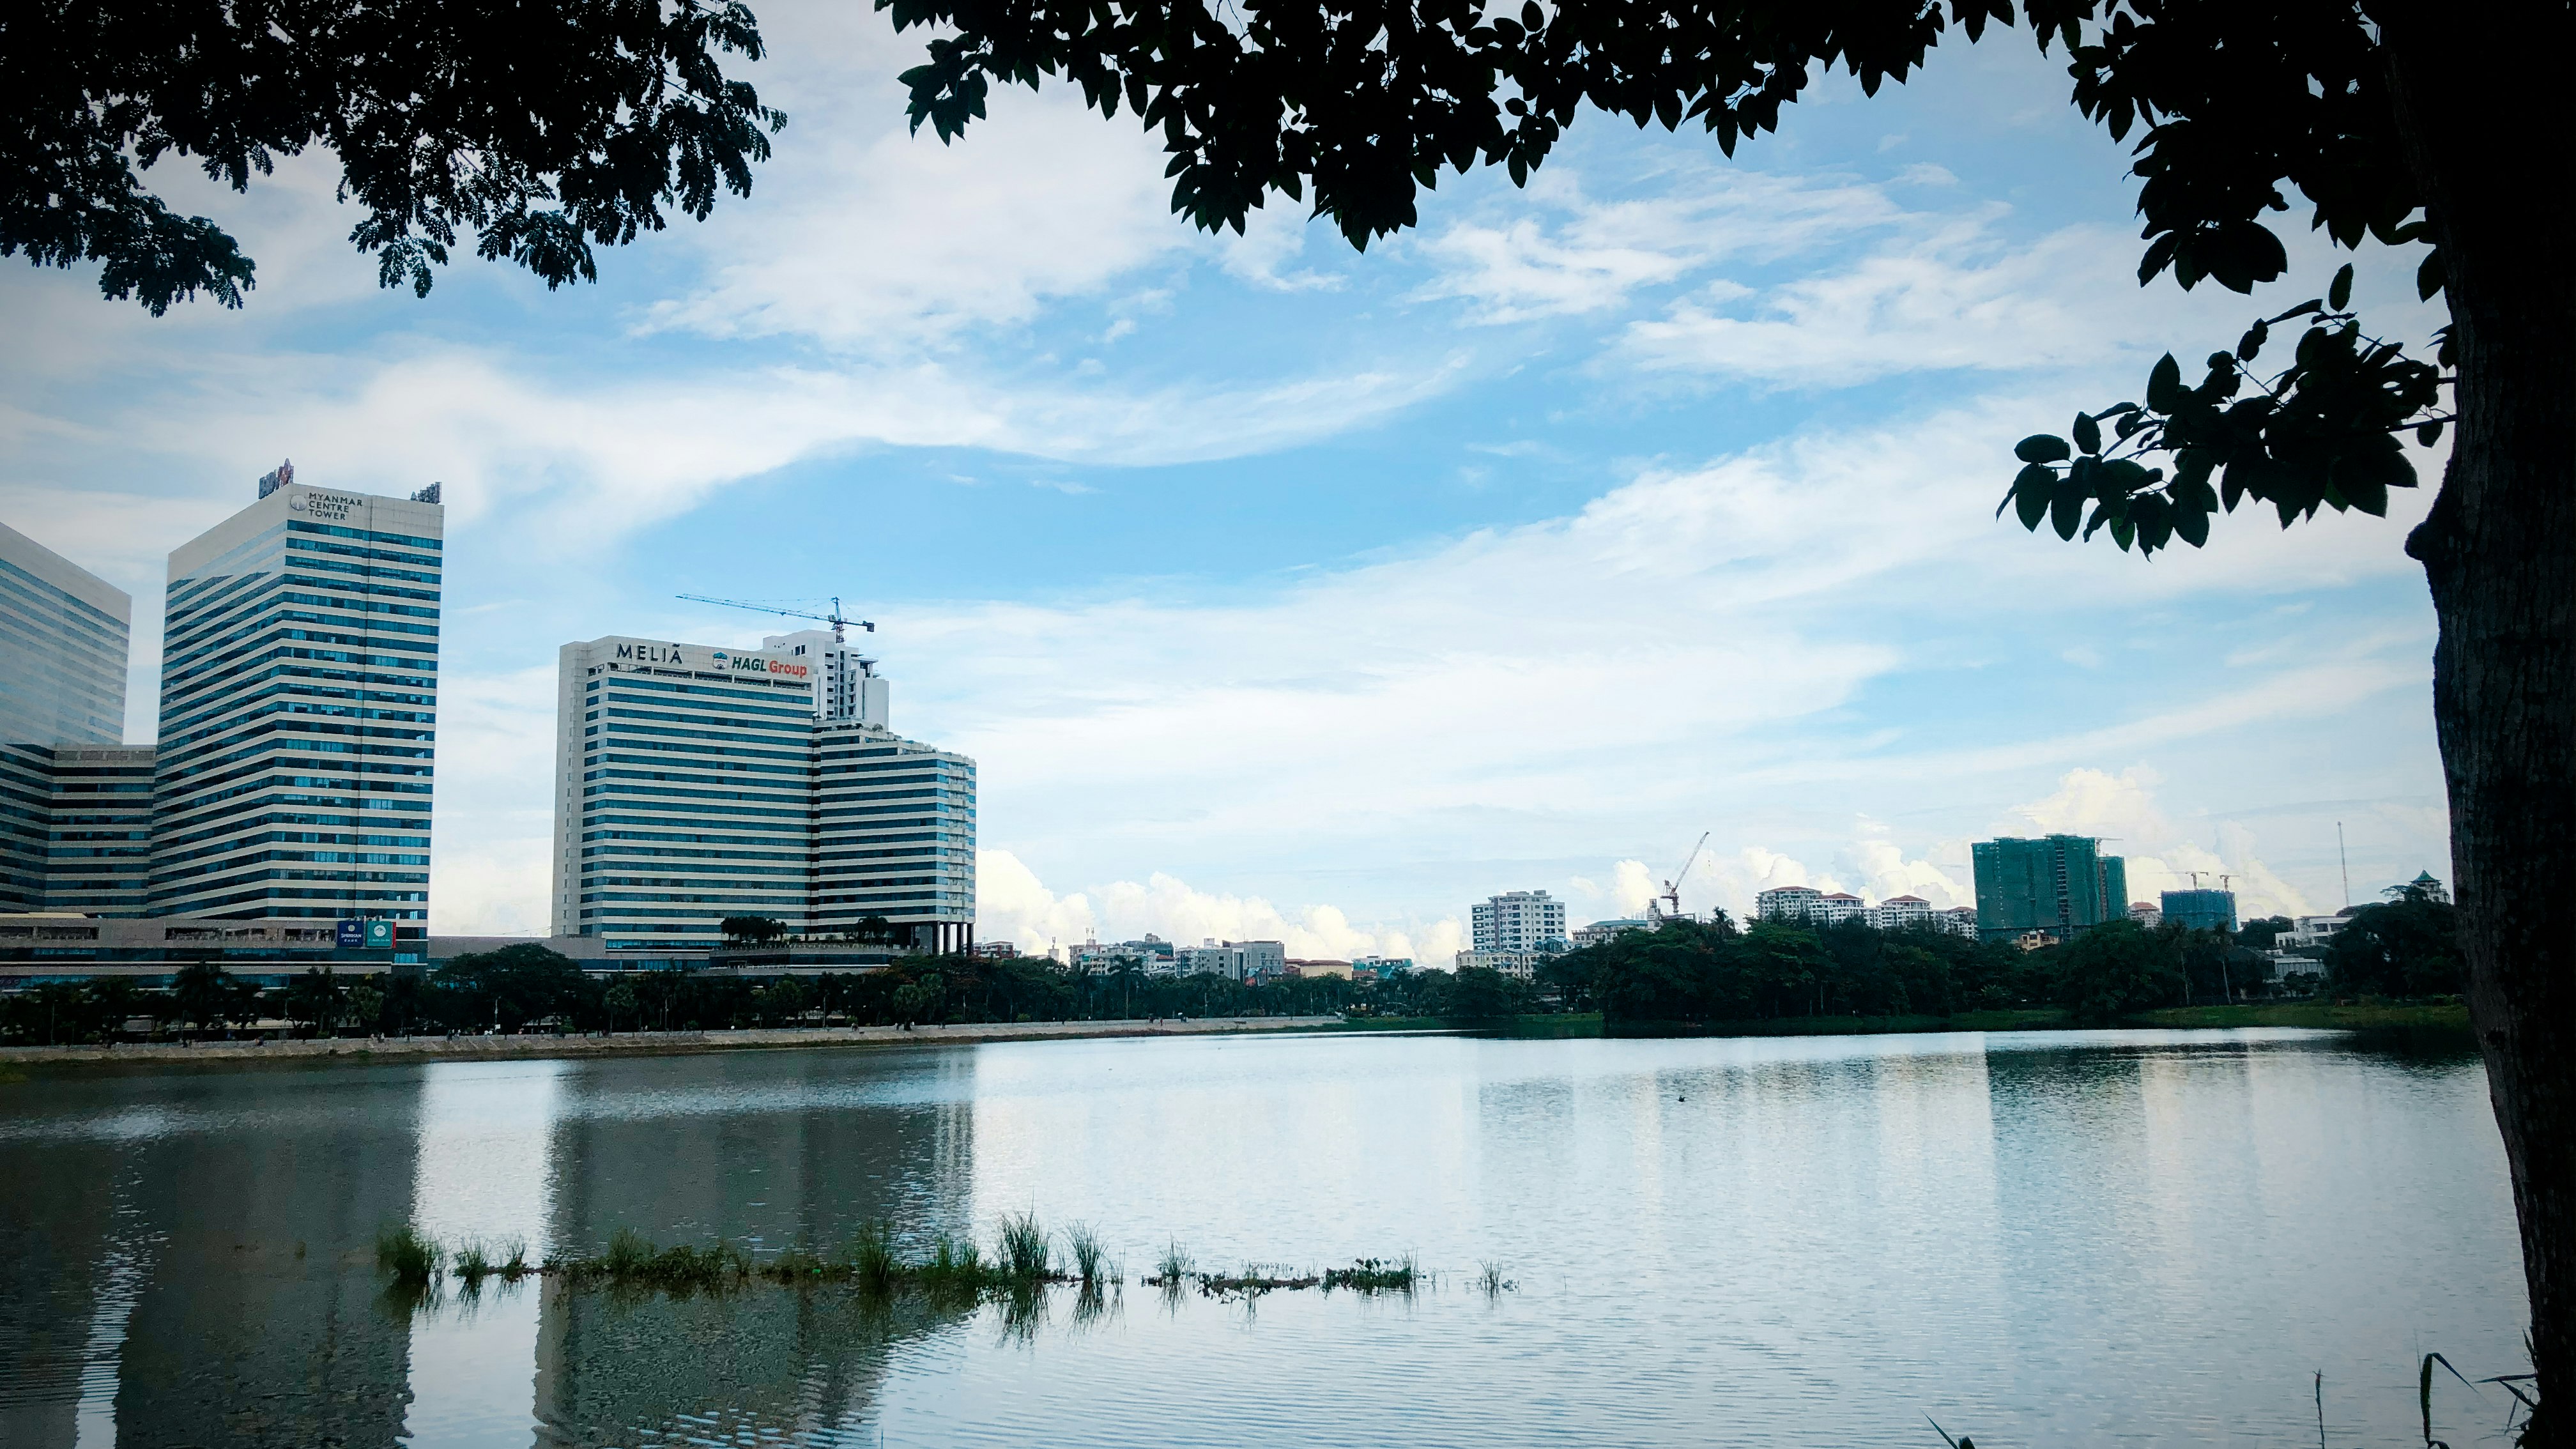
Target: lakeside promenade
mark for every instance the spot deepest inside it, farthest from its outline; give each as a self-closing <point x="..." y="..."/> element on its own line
<point x="641" y="1043"/>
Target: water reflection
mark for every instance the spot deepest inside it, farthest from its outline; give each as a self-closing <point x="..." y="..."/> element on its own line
<point x="2045" y="1239"/>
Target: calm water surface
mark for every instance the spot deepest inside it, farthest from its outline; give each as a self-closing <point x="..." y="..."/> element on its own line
<point x="2147" y="1238"/>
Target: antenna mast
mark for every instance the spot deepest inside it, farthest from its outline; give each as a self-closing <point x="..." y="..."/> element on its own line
<point x="2346" y="857"/>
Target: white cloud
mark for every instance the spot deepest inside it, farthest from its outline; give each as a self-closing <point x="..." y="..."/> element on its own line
<point x="2122" y="808"/>
<point x="1014" y="905"/>
<point x="1521" y="268"/>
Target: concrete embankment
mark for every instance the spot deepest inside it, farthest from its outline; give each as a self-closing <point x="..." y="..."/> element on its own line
<point x="640" y="1043"/>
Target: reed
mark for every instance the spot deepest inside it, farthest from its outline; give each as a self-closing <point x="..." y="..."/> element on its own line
<point x="1025" y="1255"/>
<point x="1091" y="1265"/>
<point x="473" y="1261"/>
<point x="412" y="1256"/>
<point x="872" y="1259"/>
<point x="1174" y="1268"/>
<point x="1490" y="1279"/>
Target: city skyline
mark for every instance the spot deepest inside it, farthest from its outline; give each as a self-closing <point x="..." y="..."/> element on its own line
<point x="1280" y="590"/>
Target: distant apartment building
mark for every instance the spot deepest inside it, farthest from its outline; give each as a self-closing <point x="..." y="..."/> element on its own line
<point x="1518" y="921"/>
<point x="1519" y="965"/>
<point x="2201" y="910"/>
<point x="1234" y="960"/>
<point x="1835" y="907"/>
<point x="1789" y="903"/>
<point x="1958" y="921"/>
<point x="694" y="783"/>
<point x="1601" y="931"/>
<point x="1898" y="912"/>
<point x="2057" y="886"/>
<point x="1380" y="968"/>
<point x="63" y="643"/>
<point x="2147" y="914"/>
<point x="1304" y="967"/>
<point x="299" y="697"/>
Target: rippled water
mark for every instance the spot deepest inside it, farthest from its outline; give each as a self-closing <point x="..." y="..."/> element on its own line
<point x="2038" y="1239"/>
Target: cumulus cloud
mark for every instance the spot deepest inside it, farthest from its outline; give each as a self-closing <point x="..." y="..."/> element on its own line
<point x="2122" y="808"/>
<point x="1013" y="904"/>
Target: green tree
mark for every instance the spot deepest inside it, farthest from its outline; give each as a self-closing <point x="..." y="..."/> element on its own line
<point x="313" y="1000"/>
<point x="1478" y="993"/>
<point x="512" y="986"/>
<point x="2114" y="970"/>
<point x="2400" y="122"/>
<point x="750" y="930"/>
<point x="2408" y="945"/>
<point x="366" y="1006"/>
<point x="2258" y="935"/>
<point x="538" y="128"/>
<point x="621" y="1001"/>
<point x="203" y="993"/>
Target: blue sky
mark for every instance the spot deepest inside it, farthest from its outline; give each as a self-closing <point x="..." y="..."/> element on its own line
<point x="1281" y="590"/>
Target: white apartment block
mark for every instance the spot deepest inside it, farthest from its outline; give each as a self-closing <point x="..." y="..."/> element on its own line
<point x="1518" y="921"/>
<point x="1898" y="912"/>
<point x="1234" y="960"/>
<point x="1789" y="903"/>
<point x="1601" y="931"/>
<point x="1519" y="965"/>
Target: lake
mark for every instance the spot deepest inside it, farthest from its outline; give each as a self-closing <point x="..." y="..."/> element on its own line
<point x="2034" y="1238"/>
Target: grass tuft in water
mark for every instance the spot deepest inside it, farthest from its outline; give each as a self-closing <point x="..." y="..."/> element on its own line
<point x="1174" y="1268"/>
<point x="1091" y="1265"/>
<point x="412" y="1256"/>
<point x="1490" y="1279"/>
<point x="1025" y="1255"/>
<point x="872" y="1259"/>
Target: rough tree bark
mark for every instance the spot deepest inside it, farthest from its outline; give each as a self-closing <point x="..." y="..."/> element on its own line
<point x="2482" y="114"/>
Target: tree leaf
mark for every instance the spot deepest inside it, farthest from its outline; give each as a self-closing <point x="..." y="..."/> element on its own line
<point x="2164" y="385"/>
<point x="2043" y="448"/>
<point x="2339" y="295"/>
<point x="2031" y="492"/>
<point x="2088" y="433"/>
<point x="2066" y="510"/>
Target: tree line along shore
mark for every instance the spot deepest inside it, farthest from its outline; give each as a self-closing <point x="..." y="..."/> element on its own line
<point x="2395" y="964"/>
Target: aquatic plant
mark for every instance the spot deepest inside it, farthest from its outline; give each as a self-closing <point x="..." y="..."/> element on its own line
<point x="473" y="1260"/>
<point x="1175" y="1267"/>
<point x="1091" y="1263"/>
<point x="1025" y="1254"/>
<point x="412" y="1256"/>
<point x="1374" y="1275"/>
<point x="872" y="1260"/>
<point x="1490" y="1280"/>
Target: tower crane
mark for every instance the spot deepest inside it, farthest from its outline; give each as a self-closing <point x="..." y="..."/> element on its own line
<point x="1673" y="888"/>
<point x="835" y="618"/>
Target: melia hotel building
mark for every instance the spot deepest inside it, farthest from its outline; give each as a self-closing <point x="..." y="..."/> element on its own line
<point x="695" y="782"/>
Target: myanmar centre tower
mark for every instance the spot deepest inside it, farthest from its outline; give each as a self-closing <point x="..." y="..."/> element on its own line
<point x="695" y="782"/>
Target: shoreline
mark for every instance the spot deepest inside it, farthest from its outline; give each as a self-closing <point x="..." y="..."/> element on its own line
<point x="638" y="1043"/>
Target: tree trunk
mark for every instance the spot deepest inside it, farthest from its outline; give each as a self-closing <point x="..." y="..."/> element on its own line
<point x="2480" y="111"/>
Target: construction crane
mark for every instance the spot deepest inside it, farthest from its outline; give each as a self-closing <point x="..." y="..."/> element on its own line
<point x="835" y="618"/>
<point x="1673" y="888"/>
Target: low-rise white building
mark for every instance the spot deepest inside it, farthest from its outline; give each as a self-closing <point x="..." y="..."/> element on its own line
<point x="1898" y="912"/>
<point x="1600" y="931"/>
<point x="1519" y="965"/>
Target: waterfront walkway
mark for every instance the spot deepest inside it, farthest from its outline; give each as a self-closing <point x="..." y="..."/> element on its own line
<point x="644" y="1043"/>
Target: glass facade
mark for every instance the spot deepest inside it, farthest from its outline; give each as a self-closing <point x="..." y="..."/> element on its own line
<point x="2201" y="910"/>
<point x="894" y="836"/>
<point x="98" y="856"/>
<point x="695" y="783"/>
<point x="299" y="691"/>
<point x="2059" y="884"/>
<point x="63" y="642"/>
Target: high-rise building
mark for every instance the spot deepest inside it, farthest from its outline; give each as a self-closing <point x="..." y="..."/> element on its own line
<point x="1789" y="903"/>
<point x="63" y="640"/>
<point x="299" y="696"/>
<point x="1518" y="921"/>
<point x="2201" y="910"/>
<point x="695" y="783"/>
<point x="2058" y="885"/>
<point x="683" y="784"/>
<point x="847" y="687"/>
<point x="894" y="835"/>
<point x="98" y="861"/>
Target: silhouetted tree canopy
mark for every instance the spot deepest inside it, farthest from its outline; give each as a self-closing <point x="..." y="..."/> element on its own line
<point x="536" y="129"/>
